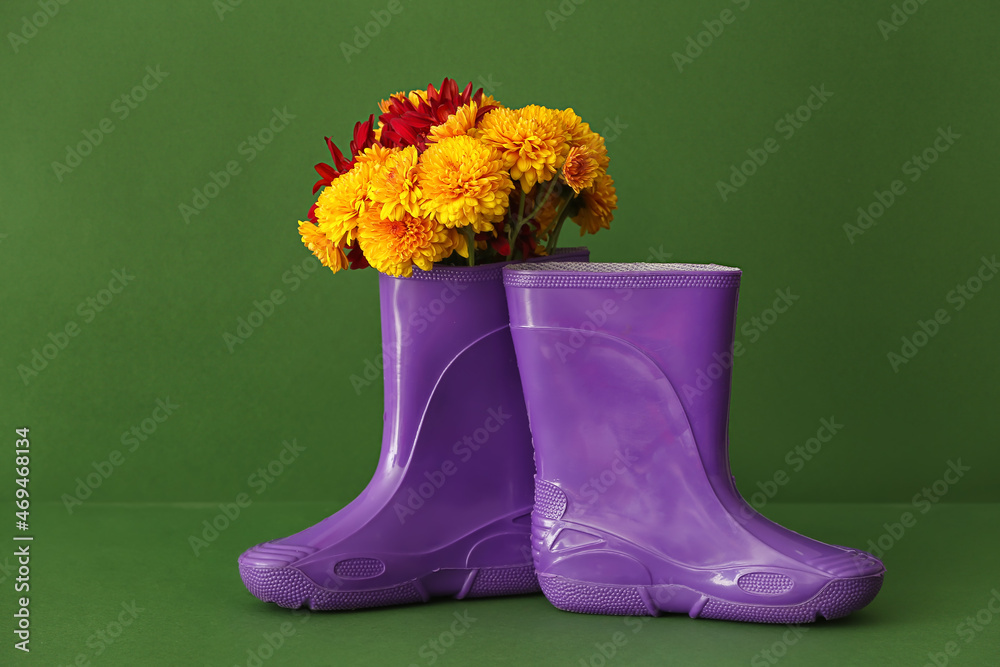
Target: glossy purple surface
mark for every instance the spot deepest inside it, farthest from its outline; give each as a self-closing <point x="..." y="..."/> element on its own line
<point x="447" y="512"/>
<point x="636" y="510"/>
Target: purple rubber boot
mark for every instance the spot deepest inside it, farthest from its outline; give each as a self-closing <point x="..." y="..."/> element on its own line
<point x="636" y="511"/>
<point x="447" y="512"/>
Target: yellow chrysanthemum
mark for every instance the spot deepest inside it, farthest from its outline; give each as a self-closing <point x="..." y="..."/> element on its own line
<point x="343" y="202"/>
<point x="463" y="121"/>
<point x="533" y="141"/>
<point x="395" y="246"/>
<point x="376" y="154"/>
<point x="456" y="243"/>
<point x="599" y="200"/>
<point x="394" y="185"/>
<point x="489" y="101"/>
<point x="417" y="96"/>
<point x="328" y="253"/>
<point x="575" y="126"/>
<point x="464" y="183"/>
<point x="460" y="123"/>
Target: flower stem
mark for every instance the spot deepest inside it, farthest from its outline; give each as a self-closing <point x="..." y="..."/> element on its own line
<point x="521" y="219"/>
<point x="515" y="227"/>
<point x="470" y="240"/>
<point x="561" y="215"/>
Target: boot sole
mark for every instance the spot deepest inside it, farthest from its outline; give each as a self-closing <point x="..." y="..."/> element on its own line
<point x="838" y="598"/>
<point x="290" y="588"/>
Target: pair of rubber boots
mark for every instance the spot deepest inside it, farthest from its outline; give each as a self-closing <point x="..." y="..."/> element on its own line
<point x="625" y="504"/>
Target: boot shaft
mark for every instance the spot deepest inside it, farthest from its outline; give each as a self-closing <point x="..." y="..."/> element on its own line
<point x="429" y="322"/>
<point x="681" y="317"/>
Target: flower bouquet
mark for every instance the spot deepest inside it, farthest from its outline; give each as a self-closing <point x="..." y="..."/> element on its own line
<point x="455" y="177"/>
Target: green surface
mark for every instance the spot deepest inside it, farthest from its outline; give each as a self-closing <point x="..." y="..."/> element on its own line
<point x="194" y="610"/>
<point x="672" y="136"/>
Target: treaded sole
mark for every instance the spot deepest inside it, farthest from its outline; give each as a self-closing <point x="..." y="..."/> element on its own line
<point x="288" y="587"/>
<point x="838" y="598"/>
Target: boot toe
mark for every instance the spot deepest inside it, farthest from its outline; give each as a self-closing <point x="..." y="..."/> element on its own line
<point x="273" y="554"/>
<point x="849" y="563"/>
<point x="837" y="599"/>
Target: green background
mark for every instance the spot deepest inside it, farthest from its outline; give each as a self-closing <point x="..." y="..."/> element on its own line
<point x="672" y="135"/>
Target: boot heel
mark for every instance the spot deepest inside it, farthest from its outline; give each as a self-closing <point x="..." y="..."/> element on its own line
<point x="495" y="581"/>
<point x="586" y="598"/>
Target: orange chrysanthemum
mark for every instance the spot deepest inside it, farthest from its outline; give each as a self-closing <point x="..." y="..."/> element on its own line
<point x="581" y="135"/>
<point x="464" y="183"/>
<point x="385" y="105"/>
<point x="580" y="168"/>
<point x="394" y="185"/>
<point x="326" y="251"/>
<point x="395" y="246"/>
<point x="533" y="141"/>
<point x="343" y="202"/>
<point x="599" y="200"/>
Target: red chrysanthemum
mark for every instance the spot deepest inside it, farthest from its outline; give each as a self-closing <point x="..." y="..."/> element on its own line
<point x="527" y="243"/>
<point x="498" y="242"/>
<point x="355" y="257"/>
<point x="407" y="120"/>
<point x="364" y="137"/>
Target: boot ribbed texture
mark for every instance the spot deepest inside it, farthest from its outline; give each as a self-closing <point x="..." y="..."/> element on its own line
<point x="636" y="511"/>
<point x="447" y="512"/>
